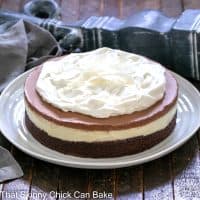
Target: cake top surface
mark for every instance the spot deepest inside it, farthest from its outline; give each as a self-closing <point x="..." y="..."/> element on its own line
<point x="102" y="83"/>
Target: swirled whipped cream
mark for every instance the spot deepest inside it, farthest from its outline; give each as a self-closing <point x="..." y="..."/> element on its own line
<point x="102" y="83"/>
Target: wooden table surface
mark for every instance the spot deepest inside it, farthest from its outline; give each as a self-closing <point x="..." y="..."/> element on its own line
<point x="175" y="176"/>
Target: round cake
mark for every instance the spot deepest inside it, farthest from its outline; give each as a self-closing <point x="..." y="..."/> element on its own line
<point x="102" y="103"/>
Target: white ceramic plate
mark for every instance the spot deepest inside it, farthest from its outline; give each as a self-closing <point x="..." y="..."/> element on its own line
<point x="13" y="128"/>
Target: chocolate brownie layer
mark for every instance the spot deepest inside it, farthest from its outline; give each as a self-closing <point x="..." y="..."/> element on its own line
<point x="100" y="149"/>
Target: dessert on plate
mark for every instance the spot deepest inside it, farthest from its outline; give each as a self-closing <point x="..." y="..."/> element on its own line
<point x="102" y="103"/>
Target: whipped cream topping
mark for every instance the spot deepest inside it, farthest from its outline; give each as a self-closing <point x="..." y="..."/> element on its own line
<point x="102" y="83"/>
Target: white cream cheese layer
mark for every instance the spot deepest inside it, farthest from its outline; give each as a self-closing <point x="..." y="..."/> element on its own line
<point x="102" y="83"/>
<point x="81" y="135"/>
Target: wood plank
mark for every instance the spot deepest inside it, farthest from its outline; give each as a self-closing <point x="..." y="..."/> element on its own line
<point x="120" y="4"/>
<point x="73" y="182"/>
<point x="45" y="180"/>
<point x="112" y="8"/>
<point x="20" y="186"/>
<point x="157" y="179"/>
<point x="186" y="171"/>
<point x="70" y="10"/>
<point x="102" y="181"/>
<point x="129" y="183"/>
<point x="172" y="8"/>
<point x="11" y="5"/>
<point x="129" y="8"/>
<point x="101" y="7"/>
<point x="89" y="8"/>
<point x="1" y="1"/>
<point x="191" y="4"/>
<point x="150" y="4"/>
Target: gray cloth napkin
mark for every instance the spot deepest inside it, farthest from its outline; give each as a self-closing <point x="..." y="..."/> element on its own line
<point x="22" y="45"/>
<point x="9" y="168"/>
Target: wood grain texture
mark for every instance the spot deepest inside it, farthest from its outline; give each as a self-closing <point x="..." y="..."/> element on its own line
<point x="129" y="183"/>
<point x="102" y="181"/>
<point x="1" y="1"/>
<point x="12" y="5"/>
<point x="172" y="8"/>
<point x="112" y="8"/>
<point x="88" y="8"/>
<point x="191" y="4"/>
<point x="149" y="4"/>
<point x="45" y="180"/>
<point x="69" y="10"/>
<point x="72" y="181"/>
<point x="157" y="179"/>
<point x="129" y="8"/>
<point x="20" y="186"/>
<point x="186" y="171"/>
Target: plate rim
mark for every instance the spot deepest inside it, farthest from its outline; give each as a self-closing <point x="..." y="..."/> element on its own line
<point x="93" y="165"/>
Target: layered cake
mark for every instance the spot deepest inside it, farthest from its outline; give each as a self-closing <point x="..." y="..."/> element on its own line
<point x="102" y="103"/>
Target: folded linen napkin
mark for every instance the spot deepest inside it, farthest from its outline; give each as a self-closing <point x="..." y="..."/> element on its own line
<point x="9" y="168"/>
<point x="22" y="46"/>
